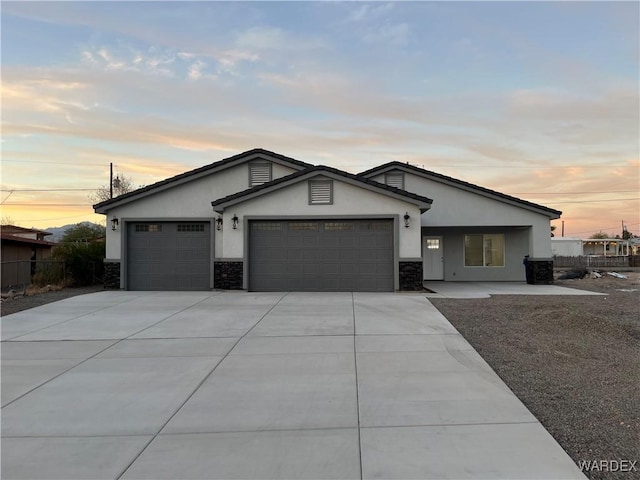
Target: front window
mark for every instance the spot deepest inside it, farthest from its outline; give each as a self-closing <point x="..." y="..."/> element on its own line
<point x="484" y="250"/>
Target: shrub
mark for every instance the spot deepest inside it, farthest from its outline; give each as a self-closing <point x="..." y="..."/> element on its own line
<point x="49" y="273"/>
<point x="83" y="262"/>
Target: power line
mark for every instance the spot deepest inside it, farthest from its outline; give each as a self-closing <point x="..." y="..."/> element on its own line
<point x="598" y="201"/>
<point x="571" y="193"/>
<point x="607" y="228"/>
<point x="7" y="197"/>
<point x="92" y="165"/>
<point x="49" y="190"/>
<point x="49" y="204"/>
<point x="56" y="218"/>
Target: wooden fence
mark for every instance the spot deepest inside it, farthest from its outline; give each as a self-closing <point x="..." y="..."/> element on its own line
<point x="594" y="261"/>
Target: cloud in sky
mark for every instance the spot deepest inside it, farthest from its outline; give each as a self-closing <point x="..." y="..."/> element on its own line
<point x="536" y="99"/>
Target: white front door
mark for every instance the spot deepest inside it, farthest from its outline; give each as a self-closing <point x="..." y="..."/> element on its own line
<point x="432" y="258"/>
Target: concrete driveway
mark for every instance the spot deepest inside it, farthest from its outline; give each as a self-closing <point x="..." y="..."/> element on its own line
<point x="242" y="385"/>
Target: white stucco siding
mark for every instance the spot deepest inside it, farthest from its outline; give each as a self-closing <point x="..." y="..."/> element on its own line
<point x="279" y="171"/>
<point x="188" y="200"/>
<point x="293" y="201"/>
<point x="540" y="239"/>
<point x="516" y="246"/>
<point x="455" y="207"/>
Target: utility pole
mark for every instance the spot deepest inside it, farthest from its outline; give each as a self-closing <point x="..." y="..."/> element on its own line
<point x="563" y="228"/>
<point x="111" y="180"/>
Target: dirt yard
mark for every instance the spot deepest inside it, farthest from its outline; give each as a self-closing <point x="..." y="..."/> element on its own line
<point x="37" y="297"/>
<point x="574" y="361"/>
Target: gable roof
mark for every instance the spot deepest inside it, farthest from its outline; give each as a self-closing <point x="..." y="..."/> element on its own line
<point x="250" y="155"/>
<point x="8" y="238"/>
<point x="16" y="230"/>
<point x="470" y="187"/>
<point x="423" y="202"/>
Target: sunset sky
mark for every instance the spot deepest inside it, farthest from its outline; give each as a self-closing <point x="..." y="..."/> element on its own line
<point x="534" y="99"/>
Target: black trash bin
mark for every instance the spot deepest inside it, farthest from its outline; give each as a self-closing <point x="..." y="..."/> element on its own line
<point x="539" y="271"/>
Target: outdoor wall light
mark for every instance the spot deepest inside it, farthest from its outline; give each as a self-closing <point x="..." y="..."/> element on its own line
<point x="114" y="223"/>
<point x="235" y="221"/>
<point x="406" y="219"/>
<point x="219" y="223"/>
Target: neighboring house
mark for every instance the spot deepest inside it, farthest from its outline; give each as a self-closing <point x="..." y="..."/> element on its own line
<point x="32" y="233"/>
<point x="21" y="249"/>
<point x="566" y="247"/>
<point x="262" y="221"/>
<point x="606" y="247"/>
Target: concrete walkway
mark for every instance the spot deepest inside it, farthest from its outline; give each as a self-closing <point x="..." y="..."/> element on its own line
<point x="141" y="385"/>
<point x="487" y="289"/>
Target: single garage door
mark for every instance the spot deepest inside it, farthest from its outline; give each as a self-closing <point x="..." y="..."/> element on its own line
<point x="331" y="255"/>
<point x="168" y="256"/>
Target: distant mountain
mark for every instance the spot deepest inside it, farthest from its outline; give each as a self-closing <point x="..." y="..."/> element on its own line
<point x="58" y="232"/>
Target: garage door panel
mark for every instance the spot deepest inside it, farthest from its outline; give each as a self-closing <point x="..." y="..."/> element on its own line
<point x="190" y="243"/>
<point x="368" y="254"/>
<point x="294" y="255"/>
<point x="308" y="241"/>
<point x="168" y="256"/>
<point x="321" y="256"/>
<point x="347" y="255"/>
<point x="194" y="270"/>
<point x="330" y="284"/>
<point x="348" y="269"/>
<point x="348" y="284"/>
<point x="330" y="255"/>
<point x="383" y="270"/>
<point x="311" y="268"/>
<point x="330" y="268"/>
<point x="367" y="269"/>
<point x="328" y="241"/>
<point x="157" y="242"/>
<point x="311" y="255"/>
<point x="346" y="242"/>
<point x="384" y="255"/>
<point x="293" y="269"/>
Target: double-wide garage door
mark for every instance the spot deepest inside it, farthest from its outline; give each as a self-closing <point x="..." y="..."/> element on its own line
<point x="331" y="255"/>
<point x="168" y="256"/>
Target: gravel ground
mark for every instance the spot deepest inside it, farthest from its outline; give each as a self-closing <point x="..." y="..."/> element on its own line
<point x="573" y="361"/>
<point x="31" y="301"/>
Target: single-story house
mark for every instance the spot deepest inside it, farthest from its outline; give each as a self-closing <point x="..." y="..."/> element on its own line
<point x="261" y="221"/>
<point x="22" y="248"/>
<point x="576" y="247"/>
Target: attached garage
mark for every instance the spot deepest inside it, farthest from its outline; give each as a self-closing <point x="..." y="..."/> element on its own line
<point x="321" y="255"/>
<point x="168" y="255"/>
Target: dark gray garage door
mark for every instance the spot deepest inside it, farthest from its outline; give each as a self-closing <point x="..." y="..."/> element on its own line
<point x="168" y="256"/>
<point x="331" y="255"/>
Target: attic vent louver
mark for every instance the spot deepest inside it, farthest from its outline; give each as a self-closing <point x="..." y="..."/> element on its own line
<point x="259" y="173"/>
<point x="395" y="179"/>
<point x="320" y="192"/>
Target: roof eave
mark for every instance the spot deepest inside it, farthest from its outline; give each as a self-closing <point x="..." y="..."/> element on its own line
<point x="219" y="205"/>
<point x="514" y="201"/>
<point x="201" y="172"/>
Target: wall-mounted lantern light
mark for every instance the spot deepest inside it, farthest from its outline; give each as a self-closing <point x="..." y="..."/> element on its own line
<point x="114" y="223"/>
<point x="219" y="223"/>
<point x="406" y="219"/>
<point x="235" y="221"/>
